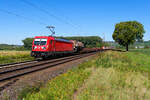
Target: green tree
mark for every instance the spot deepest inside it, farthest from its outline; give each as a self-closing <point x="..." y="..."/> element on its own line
<point x="28" y="43"/>
<point x="127" y="33"/>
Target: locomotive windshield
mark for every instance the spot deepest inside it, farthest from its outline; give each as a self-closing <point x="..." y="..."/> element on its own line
<point x="40" y="41"/>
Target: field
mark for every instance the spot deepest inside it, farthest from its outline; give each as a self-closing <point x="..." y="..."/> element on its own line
<point x="14" y="56"/>
<point x="110" y="76"/>
<point x="144" y="51"/>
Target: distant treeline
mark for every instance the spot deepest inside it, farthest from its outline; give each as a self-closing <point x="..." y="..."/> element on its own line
<point x="11" y="47"/>
<point x="89" y="41"/>
<point x="143" y="44"/>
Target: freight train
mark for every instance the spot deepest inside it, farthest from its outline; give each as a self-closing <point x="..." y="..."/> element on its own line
<point x="49" y="46"/>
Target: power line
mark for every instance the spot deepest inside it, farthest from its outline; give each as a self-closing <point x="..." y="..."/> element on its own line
<point x="21" y="16"/>
<point x="64" y="16"/>
<point x="48" y="13"/>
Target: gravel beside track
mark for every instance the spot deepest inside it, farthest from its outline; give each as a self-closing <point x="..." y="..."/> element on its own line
<point x="13" y="72"/>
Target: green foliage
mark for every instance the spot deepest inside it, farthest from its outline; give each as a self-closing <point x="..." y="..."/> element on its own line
<point x="143" y="51"/>
<point x="28" y="43"/>
<point x="127" y="33"/>
<point x="126" y="61"/>
<point x="111" y="76"/>
<point x="62" y="87"/>
<point x="11" y="47"/>
<point x="119" y="76"/>
<point x="26" y="90"/>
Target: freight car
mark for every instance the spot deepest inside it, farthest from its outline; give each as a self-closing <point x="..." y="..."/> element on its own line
<point x="48" y="46"/>
<point x="78" y="46"/>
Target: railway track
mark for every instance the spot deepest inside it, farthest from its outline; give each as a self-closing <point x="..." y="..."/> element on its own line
<point x="8" y="73"/>
<point x="2" y="66"/>
<point x="17" y="63"/>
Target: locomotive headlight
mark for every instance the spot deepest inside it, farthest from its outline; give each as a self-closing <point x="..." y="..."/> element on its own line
<point x="43" y="48"/>
<point x="35" y="47"/>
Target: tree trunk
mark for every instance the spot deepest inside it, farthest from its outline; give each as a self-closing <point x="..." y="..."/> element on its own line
<point x="126" y="47"/>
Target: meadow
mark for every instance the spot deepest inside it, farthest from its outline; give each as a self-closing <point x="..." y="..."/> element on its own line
<point x="119" y="76"/>
<point x="144" y="51"/>
<point x="14" y="56"/>
<point x="110" y="76"/>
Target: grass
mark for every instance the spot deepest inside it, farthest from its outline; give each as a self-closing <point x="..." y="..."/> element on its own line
<point x="144" y="51"/>
<point x="61" y="87"/>
<point x="14" y="56"/>
<point x="109" y="84"/>
<point x="110" y="76"/>
<point x="119" y="76"/>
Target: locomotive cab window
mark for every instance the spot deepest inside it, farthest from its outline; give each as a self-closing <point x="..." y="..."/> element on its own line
<point x="43" y="41"/>
<point x="36" y="41"/>
<point x="40" y="41"/>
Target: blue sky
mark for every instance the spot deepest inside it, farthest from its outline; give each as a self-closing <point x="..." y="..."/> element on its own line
<point x="70" y="17"/>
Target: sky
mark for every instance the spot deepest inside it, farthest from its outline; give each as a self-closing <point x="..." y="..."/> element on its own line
<point x="20" y="19"/>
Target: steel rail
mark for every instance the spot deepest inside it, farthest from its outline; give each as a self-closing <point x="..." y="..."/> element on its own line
<point x="18" y="67"/>
<point x="9" y="74"/>
<point x="16" y="63"/>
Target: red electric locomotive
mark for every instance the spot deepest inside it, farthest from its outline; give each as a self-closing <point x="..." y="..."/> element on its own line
<point x="45" y="46"/>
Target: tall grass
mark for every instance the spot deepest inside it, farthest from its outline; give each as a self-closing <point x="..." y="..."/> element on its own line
<point x="14" y="56"/>
<point x="119" y="76"/>
<point x="144" y="51"/>
<point x="110" y="76"/>
<point x="61" y="87"/>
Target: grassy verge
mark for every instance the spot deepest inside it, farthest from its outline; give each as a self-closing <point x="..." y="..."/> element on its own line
<point x="119" y="76"/>
<point x="61" y="87"/>
<point x="14" y="56"/>
<point x="111" y="76"/>
<point x="144" y="51"/>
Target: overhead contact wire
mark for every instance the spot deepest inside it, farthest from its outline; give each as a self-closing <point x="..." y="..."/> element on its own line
<point x="21" y="16"/>
<point x="48" y="13"/>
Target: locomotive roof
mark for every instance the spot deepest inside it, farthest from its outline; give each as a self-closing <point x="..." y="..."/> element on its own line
<point x="53" y="38"/>
<point x="63" y="40"/>
<point x="45" y="37"/>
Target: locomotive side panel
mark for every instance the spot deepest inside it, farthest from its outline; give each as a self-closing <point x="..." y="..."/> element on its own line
<point x="62" y="46"/>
